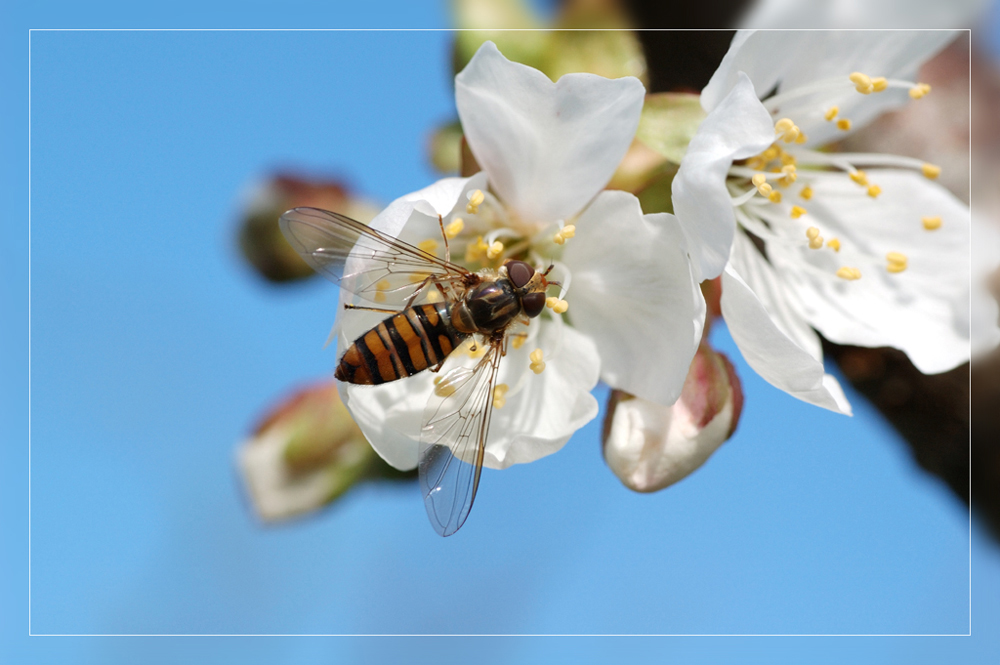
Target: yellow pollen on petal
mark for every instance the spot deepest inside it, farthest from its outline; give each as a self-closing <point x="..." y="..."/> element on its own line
<point x="850" y="274"/>
<point x="874" y="191"/>
<point x="859" y="177"/>
<point x="832" y="113"/>
<point x="844" y="124"/>
<point x="833" y="244"/>
<point x="475" y="200"/>
<point x="774" y="197"/>
<point x="879" y="84"/>
<point x="556" y="305"/>
<point x="430" y="245"/>
<point x="495" y="250"/>
<point x="812" y="233"/>
<point x="453" y="229"/>
<point x="919" y="90"/>
<point x="931" y="223"/>
<point x="930" y="171"/>
<point x="500" y="395"/>
<point x="862" y="83"/>
<point x="806" y="193"/>
<point x="797" y="211"/>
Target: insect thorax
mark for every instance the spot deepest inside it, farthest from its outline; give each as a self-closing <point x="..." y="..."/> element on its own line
<point x="488" y="307"/>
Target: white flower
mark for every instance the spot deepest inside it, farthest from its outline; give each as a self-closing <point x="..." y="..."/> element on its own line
<point x="875" y="257"/>
<point x="635" y="312"/>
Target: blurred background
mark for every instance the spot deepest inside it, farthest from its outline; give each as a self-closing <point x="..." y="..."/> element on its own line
<point x="157" y="348"/>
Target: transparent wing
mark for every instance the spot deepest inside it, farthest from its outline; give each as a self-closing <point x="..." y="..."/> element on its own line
<point x="389" y="270"/>
<point x="453" y="440"/>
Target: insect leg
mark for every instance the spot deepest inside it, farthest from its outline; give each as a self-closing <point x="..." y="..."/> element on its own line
<point x="423" y="285"/>
<point x="447" y="250"/>
<point x="372" y="309"/>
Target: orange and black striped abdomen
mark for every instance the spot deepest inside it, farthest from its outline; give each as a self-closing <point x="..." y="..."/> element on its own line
<point x="400" y="346"/>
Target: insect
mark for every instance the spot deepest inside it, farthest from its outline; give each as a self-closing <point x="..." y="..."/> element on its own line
<point x="397" y="278"/>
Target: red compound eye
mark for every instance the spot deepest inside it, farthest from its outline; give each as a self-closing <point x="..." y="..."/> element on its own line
<point x="533" y="303"/>
<point x="519" y="273"/>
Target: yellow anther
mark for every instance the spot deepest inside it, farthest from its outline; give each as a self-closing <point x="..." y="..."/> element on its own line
<point x="500" y="395"/>
<point x="844" y="124"/>
<point x="859" y="177"/>
<point x="806" y="193"/>
<point x="783" y="126"/>
<point x="850" y="274"/>
<point x="833" y="244"/>
<point x="874" y="191"/>
<point x="919" y="90"/>
<point x="475" y="200"/>
<point x="764" y="189"/>
<point x="564" y="234"/>
<point x="774" y="197"/>
<point x="430" y="245"/>
<point x="895" y="267"/>
<point x="862" y="83"/>
<point x="476" y="251"/>
<point x="495" y="250"/>
<point x="556" y="305"/>
<point x="756" y="163"/>
<point x="801" y="138"/>
<point x="758" y="179"/>
<point x="444" y="388"/>
<point x="816" y="242"/>
<point x="791" y="135"/>
<point x="879" y="84"/>
<point x="788" y="169"/>
<point x="832" y="112"/>
<point x="895" y="257"/>
<point x="788" y="158"/>
<point x="790" y="175"/>
<point x="453" y="229"/>
<point x="812" y="232"/>
<point x="930" y="171"/>
<point x="537" y="361"/>
<point x="931" y="223"/>
<point x="797" y="211"/>
<point x="770" y="153"/>
<point x="518" y="341"/>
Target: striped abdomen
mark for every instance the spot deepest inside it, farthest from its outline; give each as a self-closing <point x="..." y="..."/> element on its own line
<point x="402" y="345"/>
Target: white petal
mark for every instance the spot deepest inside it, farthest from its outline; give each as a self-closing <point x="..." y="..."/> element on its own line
<point x="738" y="128"/>
<point x="633" y="293"/>
<point x="762" y="55"/>
<point x="775" y="355"/>
<point x="548" y="147"/>
<point x="923" y="310"/>
<point x="540" y="415"/>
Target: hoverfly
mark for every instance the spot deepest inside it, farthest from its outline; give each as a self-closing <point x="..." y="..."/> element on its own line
<point x="420" y="335"/>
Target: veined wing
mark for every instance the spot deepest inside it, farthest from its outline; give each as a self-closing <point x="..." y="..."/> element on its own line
<point x="456" y="423"/>
<point x="389" y="270"/>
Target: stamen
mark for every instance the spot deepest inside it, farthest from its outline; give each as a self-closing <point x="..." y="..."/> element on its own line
<point x="879" y="84"/>
<point x="812" y="232"/>
<point x="816" y="243"/>
<point x="476" y="251"/>
<point x="844" y="124"/>
<point x="874" y="191"/>
<point x="806" y="193"/>
<point x="537" y="361"/>
<point x="453" y="229"/>
<point x="931" y="223"/>
<point x="790" y="175"/>
<point x="495" y="250"/>
<point x="833" y="244"/>
<point x="859" y="177"/>
<point x="850" y="274"/>
<point x="500" y="395"/>
<point x="787" y="130"/>
<point x="774" y="197"/>
<point x="518" y="341"/>
<point x="832" y="113"/>
<point x="557" y="305"/>
<point x="919" y="90"/>
<point x="797" y="211"/>
<point x="897" y="262"/>
<point x="930" y="171"/>
<point x="564" y="234"/>
<point x="801" y="138"/>
<point x="429" y="245"/>
<point x="380" y="288"/>
<point x="862" y="83"/>
<point x="475" y="199"/>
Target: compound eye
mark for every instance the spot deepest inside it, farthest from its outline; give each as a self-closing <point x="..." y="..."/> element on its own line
<point x="520" y="273"/>
<point x="533" y="303"/>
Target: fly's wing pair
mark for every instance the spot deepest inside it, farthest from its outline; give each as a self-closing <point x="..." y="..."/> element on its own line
<point x="390" y="272"/>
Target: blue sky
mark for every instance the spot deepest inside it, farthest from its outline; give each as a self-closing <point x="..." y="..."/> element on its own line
<point x="153" y="349"/>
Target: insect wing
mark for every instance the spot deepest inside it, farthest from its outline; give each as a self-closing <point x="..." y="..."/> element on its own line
<point x="456" y="423"/>
<point x="387" y="270"/>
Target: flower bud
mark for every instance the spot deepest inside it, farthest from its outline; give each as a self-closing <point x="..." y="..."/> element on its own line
<point x="260" y="238"/>
<point x="306" y="453"/>
<point x="650" y="446"/>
